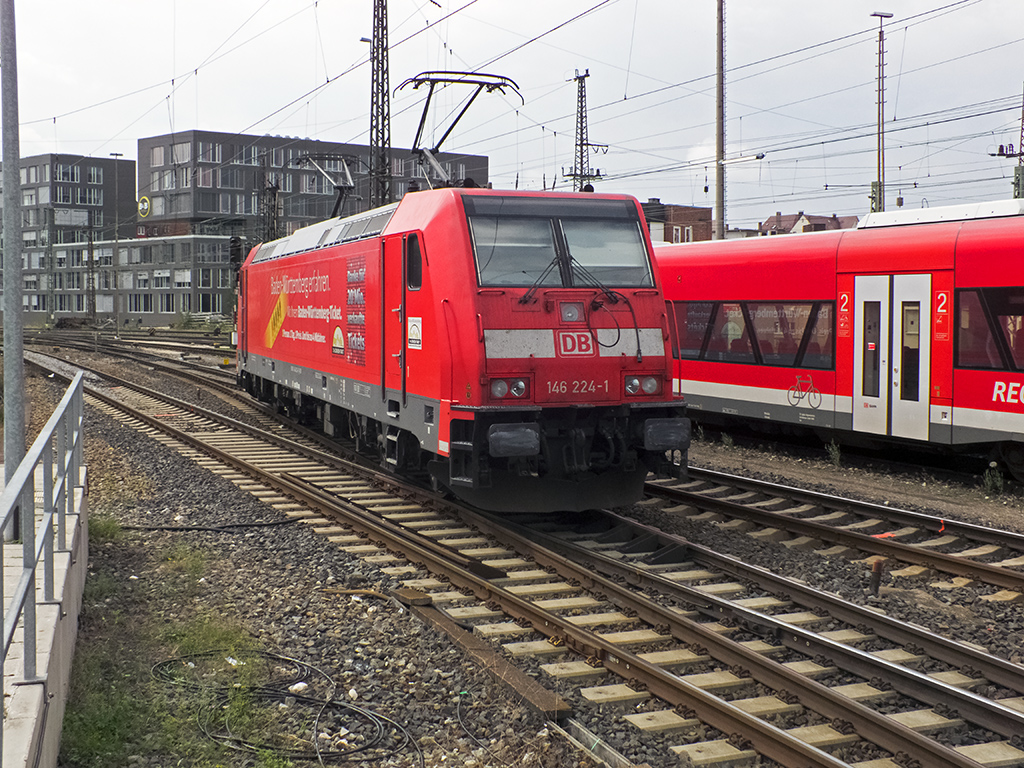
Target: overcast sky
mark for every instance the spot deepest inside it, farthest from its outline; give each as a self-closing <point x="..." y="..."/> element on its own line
<point x="801" y="87"/>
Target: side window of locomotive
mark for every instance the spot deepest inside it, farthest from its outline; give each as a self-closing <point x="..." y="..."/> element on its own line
<point x="820" y="351"/>
<point x="413" y="263"/>
<point x="609" y="251"/>
<point x="691" y="322"/>
<point x="514" y="251"/>
<point x="730" y="338"/>
<point x="975" y="344"/>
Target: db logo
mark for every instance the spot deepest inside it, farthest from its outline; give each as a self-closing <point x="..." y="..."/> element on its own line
<point x="576" y="343"/>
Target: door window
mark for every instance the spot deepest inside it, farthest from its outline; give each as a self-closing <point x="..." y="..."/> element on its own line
<point x="872" y="327"/>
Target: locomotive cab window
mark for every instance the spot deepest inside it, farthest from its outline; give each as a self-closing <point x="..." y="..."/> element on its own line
<point x="524" y="241"/>
<point x="413" y="263"/>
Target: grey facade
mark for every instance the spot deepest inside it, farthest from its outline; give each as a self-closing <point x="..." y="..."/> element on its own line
<point x="175" y="211"/>
<point x="264" y="187"/>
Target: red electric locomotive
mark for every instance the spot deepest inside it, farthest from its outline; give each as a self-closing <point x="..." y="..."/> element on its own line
<point x="514" y="345"/>
<point x="908" y="328"/>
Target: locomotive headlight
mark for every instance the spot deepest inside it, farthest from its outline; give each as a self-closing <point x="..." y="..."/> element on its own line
<point x="571" y="312"/>
<point x="632" y="385"/>
<point x="499" y="387"/>
<point x="518" y="388"/>
<point x="649" y="385"/>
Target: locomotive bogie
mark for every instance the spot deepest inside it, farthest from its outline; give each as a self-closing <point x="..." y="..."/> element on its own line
<point x="512" y="344"/>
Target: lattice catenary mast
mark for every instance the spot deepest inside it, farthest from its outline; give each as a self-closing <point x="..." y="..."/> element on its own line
<point x="580" y="173"/>
<point x="380" y="110"/>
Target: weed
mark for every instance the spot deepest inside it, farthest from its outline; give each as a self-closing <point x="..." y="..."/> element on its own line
<point x="206" y="633"/>
<point x="993" y="480"/>
<point x="727" y="440"/>
<point x="186" y="560"/>
<point x="98" y="587"/>
<point x="103" y="528"/>
<point x="834" y="454"/>
<point x="700" y="433"/>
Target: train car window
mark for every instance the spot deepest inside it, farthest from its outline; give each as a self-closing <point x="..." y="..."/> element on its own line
<point x="975" y="342"/>
<point x="610" y="252"/>
<point x="514" y="251"/>
<point x="1006" y="306"/>
<point x="910" y="349"/>
<point x="691" y="322"/>
<point x="820" y="349"/>
<point x="413" y="263"/>
<point x="730" y="339"/>
<point x="778" y="329"/>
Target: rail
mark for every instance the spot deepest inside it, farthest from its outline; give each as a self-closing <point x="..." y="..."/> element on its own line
<point x="55" y="458"/>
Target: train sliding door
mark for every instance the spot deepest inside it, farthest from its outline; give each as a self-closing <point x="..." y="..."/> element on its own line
<point x="892" y="354"/>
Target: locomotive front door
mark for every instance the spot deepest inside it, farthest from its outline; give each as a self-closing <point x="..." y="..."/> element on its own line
<point x="392" y="279"/>
<point x="892" y="355"/>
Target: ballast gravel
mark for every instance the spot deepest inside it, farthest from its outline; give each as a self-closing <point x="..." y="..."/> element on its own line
<point x="295" y="593"/>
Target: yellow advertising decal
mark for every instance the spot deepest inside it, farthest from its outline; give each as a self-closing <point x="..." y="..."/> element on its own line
<point x="276" y="320"/>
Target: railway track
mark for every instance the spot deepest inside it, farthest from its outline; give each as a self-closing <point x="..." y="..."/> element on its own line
<point x="838" y="526"/>
<point x="713" y="674"/>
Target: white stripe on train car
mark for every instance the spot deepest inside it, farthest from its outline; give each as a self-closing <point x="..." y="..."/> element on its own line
<point x="763" y="395"/>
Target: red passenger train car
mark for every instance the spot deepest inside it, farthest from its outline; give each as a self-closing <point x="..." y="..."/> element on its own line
<point x="908" y="328"/>
<point x="513" y="345"/>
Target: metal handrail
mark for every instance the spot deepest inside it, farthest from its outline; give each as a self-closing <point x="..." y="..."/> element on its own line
<point x="58" y="451"/>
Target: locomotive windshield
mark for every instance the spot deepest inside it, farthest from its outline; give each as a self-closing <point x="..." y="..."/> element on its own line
<point x="523" y="241"/>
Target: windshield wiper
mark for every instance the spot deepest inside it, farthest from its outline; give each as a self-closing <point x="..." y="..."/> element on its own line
<point x="526" y="297"/>
<point x="613" y="298"/>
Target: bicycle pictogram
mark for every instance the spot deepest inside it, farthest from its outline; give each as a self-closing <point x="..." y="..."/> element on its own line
<point x="804" y="387"/>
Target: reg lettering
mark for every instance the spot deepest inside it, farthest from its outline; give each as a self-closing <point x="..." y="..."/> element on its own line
<point x="1007" y="393"/>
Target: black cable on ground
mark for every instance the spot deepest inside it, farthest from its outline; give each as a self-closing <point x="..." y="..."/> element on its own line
<point x="179" y="672"/>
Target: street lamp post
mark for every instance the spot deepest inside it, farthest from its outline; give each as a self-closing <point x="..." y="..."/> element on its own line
<point x="878" y="193"/>
<point x="117" y="233"/>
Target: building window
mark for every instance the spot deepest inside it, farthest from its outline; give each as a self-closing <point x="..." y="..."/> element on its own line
<point x="231" y="178"/>
<point x="142" y="280"/>
<point x="165" y="302"/>
<point x="62" y="195"/>
<point x="169" y="180"/>
<point x="156" y="206"/>
<point x="209" y="152"/>
<point x="156" y="157"/>
<point x="68" y="172"/>
<point x="205" y="278"/>
<point x="90" y="196"/>
<point x="184" y="178"/>
<point x="183" y="278"/>
<point x="186" y="303"/>
<point x="224" y="278"/>
<point x="44" y="195"/>
<point x="162" y="278"/>
<point x="277" y="158"/>
<point x="28" y="197"/>
<point x="181" y="153"/>
<point x="94" y="174"/>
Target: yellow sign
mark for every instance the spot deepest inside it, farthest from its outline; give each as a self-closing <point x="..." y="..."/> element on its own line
<point x="276" y="320"/>
<point x="144" y="207"/>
